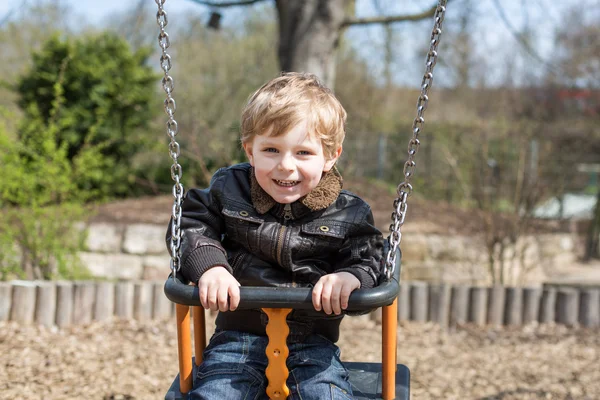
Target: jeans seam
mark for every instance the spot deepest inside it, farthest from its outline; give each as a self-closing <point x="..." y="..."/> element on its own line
<point x="297" y="385"/>
<point x="333" y="388"/>
<point x="245" y="348"/>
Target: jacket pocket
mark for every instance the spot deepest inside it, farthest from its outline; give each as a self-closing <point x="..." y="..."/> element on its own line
<point x="326" y="229"/>
<point x="243" y="227"/>
<point x="322" y="237"/>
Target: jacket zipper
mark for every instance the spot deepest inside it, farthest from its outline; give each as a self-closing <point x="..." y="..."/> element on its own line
<point x="287" y="215"/>
<point x="237" y="260"/>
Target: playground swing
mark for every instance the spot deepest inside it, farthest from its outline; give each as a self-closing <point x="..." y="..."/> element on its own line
<point x="388" y="380"/>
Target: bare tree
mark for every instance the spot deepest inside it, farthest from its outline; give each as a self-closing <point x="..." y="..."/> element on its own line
<point x="310" y="30"/>
<point x="578" y="52"/>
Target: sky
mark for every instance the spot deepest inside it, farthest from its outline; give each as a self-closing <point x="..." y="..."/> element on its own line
<point x="495" y="20"/>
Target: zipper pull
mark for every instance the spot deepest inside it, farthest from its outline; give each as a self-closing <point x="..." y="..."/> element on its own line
<point x="287" y="212"/>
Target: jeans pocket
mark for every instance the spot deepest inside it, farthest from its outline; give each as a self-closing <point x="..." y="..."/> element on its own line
<point x="206" y="370"/>
<point x="339" y="393"/>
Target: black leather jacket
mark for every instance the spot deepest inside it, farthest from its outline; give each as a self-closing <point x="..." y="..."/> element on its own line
<point x="235" y="224"/>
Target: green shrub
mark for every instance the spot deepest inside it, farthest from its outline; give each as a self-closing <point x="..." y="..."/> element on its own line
<point x="40" y="202"/>
<point x="106" y="96"/>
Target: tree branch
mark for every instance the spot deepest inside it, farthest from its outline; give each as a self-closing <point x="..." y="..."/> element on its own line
<point x="223" y="4"/>
<point x="390" y="19"/>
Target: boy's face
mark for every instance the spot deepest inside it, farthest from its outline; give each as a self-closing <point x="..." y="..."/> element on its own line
<point x="289" y="166"/>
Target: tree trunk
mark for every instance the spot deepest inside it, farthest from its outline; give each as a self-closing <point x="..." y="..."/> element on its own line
<point x="309" y="33"/>
<point x="593" y="236"/>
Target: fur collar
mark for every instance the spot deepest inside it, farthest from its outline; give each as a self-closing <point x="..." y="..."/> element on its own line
<point x="321" y="197"/>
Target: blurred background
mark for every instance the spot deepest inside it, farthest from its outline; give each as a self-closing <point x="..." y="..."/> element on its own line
<point x="502" y="228"/>
<point x="512" y="136"/>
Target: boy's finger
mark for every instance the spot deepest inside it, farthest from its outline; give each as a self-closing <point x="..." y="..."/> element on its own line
<point x="202" y="290"/>
<point x="316" y="295"/>
<point x="335" y="299"/>
<point x="212" y="298"/>
<point x="234" y="297"/>
<point x="345" y="296"/>
<point x="326" y="299"/>
<point x="222" y="298"/>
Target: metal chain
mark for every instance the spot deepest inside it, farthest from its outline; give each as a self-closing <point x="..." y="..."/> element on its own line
<point x="405" y="188"/>
<point x="172" y="130"/>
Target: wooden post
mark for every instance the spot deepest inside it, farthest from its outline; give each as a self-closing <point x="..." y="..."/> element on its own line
<point x="478" y="311"/>
<point x="513" y="307"/>
<point x="184" y="347"/>
<point x="124" y="292"/>
<point x="548" y="306"/>
<point x="199" y="332"/>
<point x="64" y="304"/>
<point x="459" y="305"/>
<point x="388" y="348"/>
<point x="45" y="307"/>
<point x="5" y="300"/>
<point x="162" y="306"/>
<point x="531" y="304"/>
<point x="142" y="305"/>
<point x="589" y="308"/>
<point x="83" y="305"/>
<point x="496" y="305"/>
<point x="23" y="302"/>
<point x="104" y="307"/>
<point x="418" y="301"/>
<point x="567" y="307"/>
<point x="404" y="302"/>
<point x="439" y="304"/>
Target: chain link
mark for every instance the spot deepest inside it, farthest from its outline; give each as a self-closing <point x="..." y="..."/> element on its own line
<point x="172" y="130"/>
<point x="404" y="190"/>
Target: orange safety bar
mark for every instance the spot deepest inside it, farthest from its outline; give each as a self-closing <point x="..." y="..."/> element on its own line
<point x="199" y="333"/>
<point x="389" y="364"/>
<point x="277" y="353"/>
<point x="184" y="347"/>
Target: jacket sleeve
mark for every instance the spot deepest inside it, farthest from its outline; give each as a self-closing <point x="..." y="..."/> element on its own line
<point x="202" y="226"/>
<point x="362" y="252"/>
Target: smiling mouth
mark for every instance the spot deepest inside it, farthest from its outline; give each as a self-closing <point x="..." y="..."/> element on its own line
<point x="286" y="183"/>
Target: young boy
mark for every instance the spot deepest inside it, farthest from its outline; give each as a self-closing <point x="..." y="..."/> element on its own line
<point x="280" y="220"/>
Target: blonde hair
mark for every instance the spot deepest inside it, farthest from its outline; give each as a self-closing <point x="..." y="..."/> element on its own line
<point x="282" y="103"/>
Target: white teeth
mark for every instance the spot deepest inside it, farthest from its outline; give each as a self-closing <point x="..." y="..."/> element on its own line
<point x="286" y="183"/>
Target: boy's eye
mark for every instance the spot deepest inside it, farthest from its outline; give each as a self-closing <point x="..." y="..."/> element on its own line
<point x="304" y="152"/>
<point x="270" y="150"/>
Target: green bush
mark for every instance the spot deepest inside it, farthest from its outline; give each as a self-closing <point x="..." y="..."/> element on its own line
<point x="40" y="202"/>
<point x="106" y="96"/>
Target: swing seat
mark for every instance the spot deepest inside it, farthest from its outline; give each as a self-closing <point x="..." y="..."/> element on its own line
<point x="365" y="379"/>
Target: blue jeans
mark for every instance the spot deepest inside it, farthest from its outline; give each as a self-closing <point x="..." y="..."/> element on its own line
<point x="234" y="368"/>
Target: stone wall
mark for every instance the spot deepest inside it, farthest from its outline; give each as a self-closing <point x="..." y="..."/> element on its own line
<point x="464" y="259"/>
<point x="138" y="251"/>
<point x="132" y="252"/>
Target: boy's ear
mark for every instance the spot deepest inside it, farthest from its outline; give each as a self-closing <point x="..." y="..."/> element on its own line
<point x="331" y="161"/>
<point x="249" y="154"/>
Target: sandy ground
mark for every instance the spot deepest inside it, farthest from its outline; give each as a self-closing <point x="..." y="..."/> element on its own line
<point x="137" y="360"/>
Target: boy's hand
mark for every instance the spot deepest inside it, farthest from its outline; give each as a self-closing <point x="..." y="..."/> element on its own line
<point x="215" y="285"/>
<point x="333" y="290"/>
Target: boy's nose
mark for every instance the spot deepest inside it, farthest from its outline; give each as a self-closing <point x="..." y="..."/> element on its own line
<point x="286" y="163"/>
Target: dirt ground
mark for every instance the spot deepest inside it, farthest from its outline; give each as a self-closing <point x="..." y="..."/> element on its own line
<point x="137" y="360"/>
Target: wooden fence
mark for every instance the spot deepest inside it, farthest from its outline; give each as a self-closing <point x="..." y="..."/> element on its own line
<point x="72" y="303"/>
